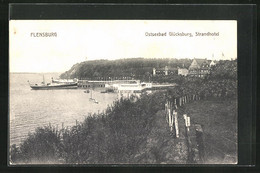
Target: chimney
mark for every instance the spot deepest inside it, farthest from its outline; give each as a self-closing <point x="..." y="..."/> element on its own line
<point x="166" y="70"/>
<point x="154" y="71"/>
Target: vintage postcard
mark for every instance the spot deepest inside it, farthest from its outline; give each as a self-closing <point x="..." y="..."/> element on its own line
<point x="123" y="92"/>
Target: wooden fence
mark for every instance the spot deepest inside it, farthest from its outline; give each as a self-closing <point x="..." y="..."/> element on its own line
<point x="172" y="118"/>
<point x="194" y="138"/>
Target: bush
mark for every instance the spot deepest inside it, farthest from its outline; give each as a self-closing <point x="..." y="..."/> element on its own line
<point x="112" y="137"/>
<point x="43" y="146"/>
<point x="221" y="82"/>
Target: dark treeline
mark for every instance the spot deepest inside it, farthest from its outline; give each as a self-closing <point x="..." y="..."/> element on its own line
<point x="141" y="68"/>
<point x="221" y="82"/>
<point x="224" y="69"/>
<point x="138" y="68"/>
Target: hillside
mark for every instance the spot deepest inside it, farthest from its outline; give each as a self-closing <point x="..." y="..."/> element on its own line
<point x="138" y="68"/>
<point x="137" y="132"/>
<point x="134" y="132"/>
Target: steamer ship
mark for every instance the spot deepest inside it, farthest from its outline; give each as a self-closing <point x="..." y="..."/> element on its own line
<point x="54" y="85"/>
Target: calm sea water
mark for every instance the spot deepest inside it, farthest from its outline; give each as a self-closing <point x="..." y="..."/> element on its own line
<point x="30" y="109"/>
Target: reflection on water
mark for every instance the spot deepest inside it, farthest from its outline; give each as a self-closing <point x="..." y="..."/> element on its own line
<point x="34" y="108"/>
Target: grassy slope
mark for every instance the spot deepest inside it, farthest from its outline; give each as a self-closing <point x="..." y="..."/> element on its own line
<point x="161" y="147"/>
<point x="156" y="145"/>
<point x="219" y="121"/>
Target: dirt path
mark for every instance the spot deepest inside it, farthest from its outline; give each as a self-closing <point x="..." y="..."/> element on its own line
<point x="161" y="146"/>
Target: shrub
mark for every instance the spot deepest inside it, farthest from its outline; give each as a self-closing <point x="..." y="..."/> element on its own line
<point x="40" y="147"/>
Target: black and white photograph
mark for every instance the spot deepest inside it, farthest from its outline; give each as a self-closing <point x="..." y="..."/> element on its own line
<point x="123" y="92"/>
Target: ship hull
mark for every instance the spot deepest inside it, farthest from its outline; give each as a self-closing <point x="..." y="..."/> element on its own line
<point x="51" y="87"/>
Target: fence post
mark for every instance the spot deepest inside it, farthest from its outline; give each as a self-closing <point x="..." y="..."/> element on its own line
<point x="184" y="117"/>
<point x="170" y="120"/>
<point x="191" y="155"/>
<point x="176" y="124"/>
<point x="188" y="123"/>
<point x="200" y="142"/>
<point x="175" y="104"/>
<point x="166" y="111"/>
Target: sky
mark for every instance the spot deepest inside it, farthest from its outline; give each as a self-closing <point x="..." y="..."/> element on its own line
<point x="81" y="40"/>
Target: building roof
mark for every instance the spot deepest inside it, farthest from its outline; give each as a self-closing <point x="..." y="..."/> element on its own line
<point x="182" y="69"/>
<point x="201" y="61"/>
<point x="172" y="68"/>
<point x="169" y="68"/>
<point x="213" y="61"/>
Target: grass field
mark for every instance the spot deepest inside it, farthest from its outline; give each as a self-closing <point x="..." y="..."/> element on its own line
<point x="219" y="122"/>
<point x="218" y="119"/>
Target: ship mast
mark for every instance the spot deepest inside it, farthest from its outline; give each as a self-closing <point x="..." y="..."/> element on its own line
<point x="43" y="80"/>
